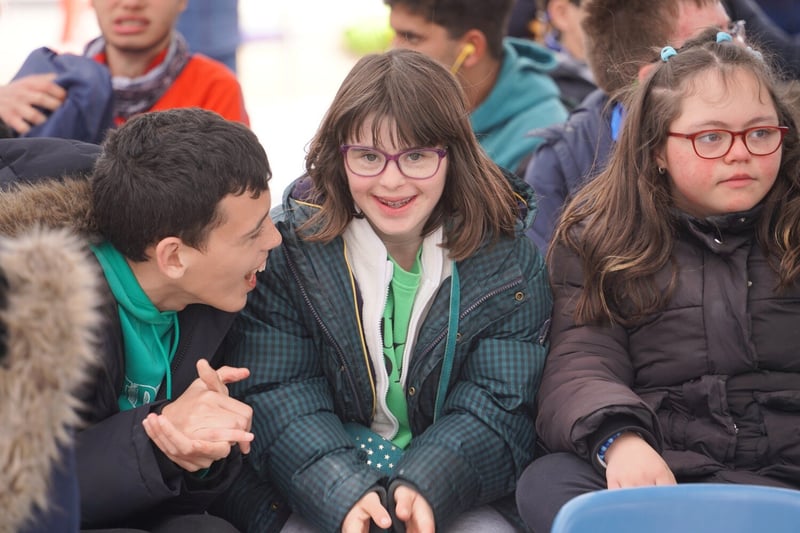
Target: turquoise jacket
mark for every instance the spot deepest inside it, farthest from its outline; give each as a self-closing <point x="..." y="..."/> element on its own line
<point x="524" y="97"/>
<point x="301" y="338"/>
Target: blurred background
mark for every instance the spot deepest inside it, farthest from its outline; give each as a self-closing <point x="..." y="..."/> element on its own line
<point x="291" y="61"/>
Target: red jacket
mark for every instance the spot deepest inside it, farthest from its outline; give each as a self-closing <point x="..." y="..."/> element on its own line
<point x="203" y="83"/>
<point x="209" y="84"/>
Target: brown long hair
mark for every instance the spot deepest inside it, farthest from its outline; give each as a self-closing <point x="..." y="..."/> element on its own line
<point x="426" y="105"/>
<point x="622" y="223"/>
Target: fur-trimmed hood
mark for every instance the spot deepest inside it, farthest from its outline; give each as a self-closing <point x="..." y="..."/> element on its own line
<point x="49" y="313"/>
<point x="49" y="204"/>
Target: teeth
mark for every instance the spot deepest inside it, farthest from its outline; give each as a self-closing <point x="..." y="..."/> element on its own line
<point x="395" y="205"/>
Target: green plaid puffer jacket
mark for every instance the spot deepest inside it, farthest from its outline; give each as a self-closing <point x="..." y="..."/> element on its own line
<point x="300" y="337"/>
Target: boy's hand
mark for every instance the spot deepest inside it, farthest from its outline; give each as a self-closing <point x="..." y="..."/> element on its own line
<point x="201" y="425"/>
<point x="21" y="101"/>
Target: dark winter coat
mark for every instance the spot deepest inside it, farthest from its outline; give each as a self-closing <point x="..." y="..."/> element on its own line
<point x="572" y="154"/>
<point x="47" y="348"/>
<point x="123" y="476"/>
<point x="712" y="381"/>
<point x="33" y="159"/>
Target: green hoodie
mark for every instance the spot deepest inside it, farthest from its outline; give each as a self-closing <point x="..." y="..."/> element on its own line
<point x="524" y="98"/>
<point x="150" y="335"/>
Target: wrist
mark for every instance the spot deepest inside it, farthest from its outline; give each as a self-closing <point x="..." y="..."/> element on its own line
<point x="603" y="450"/>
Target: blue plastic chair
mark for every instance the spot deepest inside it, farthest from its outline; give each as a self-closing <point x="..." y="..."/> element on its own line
<point x="686" y="508"/>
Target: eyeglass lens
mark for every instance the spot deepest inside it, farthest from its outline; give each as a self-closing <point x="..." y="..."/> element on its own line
<point x="419" y="163"/>
<point x="758" y="141"/>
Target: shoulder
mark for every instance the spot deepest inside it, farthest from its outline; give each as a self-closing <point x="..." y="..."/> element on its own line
<point x="589" y="118"/>
<point x="208" y="84"/>
<point x="202" y="71"/>
<point x="578" y="143"/>
<point x="566" y="265"/>
<point x="504" y="259"/>
<point x="528" y="54"/>
<point x="524" y="78"/>
<point x="585" y="120"/>
<point x="203" y="65"/>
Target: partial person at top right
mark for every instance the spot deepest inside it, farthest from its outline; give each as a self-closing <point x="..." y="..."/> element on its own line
<point x="768" y="35"/>
<point x="622" y="38"/>
<point x="784" y="13"/>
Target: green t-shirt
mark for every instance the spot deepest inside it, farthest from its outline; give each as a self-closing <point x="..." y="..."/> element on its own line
<point x="396" y="316"/>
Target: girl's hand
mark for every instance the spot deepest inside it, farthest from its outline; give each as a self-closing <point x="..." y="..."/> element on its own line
<point x="366" y="510"/>
<point x="632" y="462"/>
<point x="413" y="510"/>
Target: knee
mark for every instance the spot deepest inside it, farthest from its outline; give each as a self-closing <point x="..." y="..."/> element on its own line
<point x="546" y="471"/>
<point x="548" y="483"/>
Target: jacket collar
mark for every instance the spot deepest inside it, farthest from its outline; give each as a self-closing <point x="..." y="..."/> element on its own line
<point x="722" y="234"/>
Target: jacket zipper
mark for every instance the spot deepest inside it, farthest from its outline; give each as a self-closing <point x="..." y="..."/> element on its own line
<point x="326" y="332"/>
<point x="477" y="303"/>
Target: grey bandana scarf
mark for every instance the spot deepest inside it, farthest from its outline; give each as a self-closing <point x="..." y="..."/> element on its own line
<point x="136" y="95"/>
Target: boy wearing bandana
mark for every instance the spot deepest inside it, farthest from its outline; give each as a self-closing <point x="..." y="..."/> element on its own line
<point x="151" y="65"/>
<point x="150" y="69"/>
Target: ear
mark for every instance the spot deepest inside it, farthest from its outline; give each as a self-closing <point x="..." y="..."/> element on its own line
<point x="659" y="158"/>
<point x="473" y="48"/>
<point x="557" y="13"/>
<point x="170" y="256"/>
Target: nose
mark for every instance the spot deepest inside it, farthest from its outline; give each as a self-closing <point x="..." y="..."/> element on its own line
<point x="738" y="149"/>
<point x="391" y="177"/>
<point x="132" y="4"/>
<point x="272" y="237"/>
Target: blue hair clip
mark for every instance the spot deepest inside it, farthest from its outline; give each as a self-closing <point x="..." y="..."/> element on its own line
<point x="723" y="36"/>
<point x="667" y="52"/>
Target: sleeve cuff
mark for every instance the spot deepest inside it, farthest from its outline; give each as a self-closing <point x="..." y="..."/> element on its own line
<point x="611" y="427"/>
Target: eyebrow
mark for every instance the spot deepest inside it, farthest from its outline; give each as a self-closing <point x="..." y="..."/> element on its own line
<point x="718" y="124"/>
<point x="258" y="226"/>
<point x="408" y="34"/>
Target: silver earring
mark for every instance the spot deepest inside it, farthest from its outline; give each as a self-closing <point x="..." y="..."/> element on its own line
<point x="662" y="170"/>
